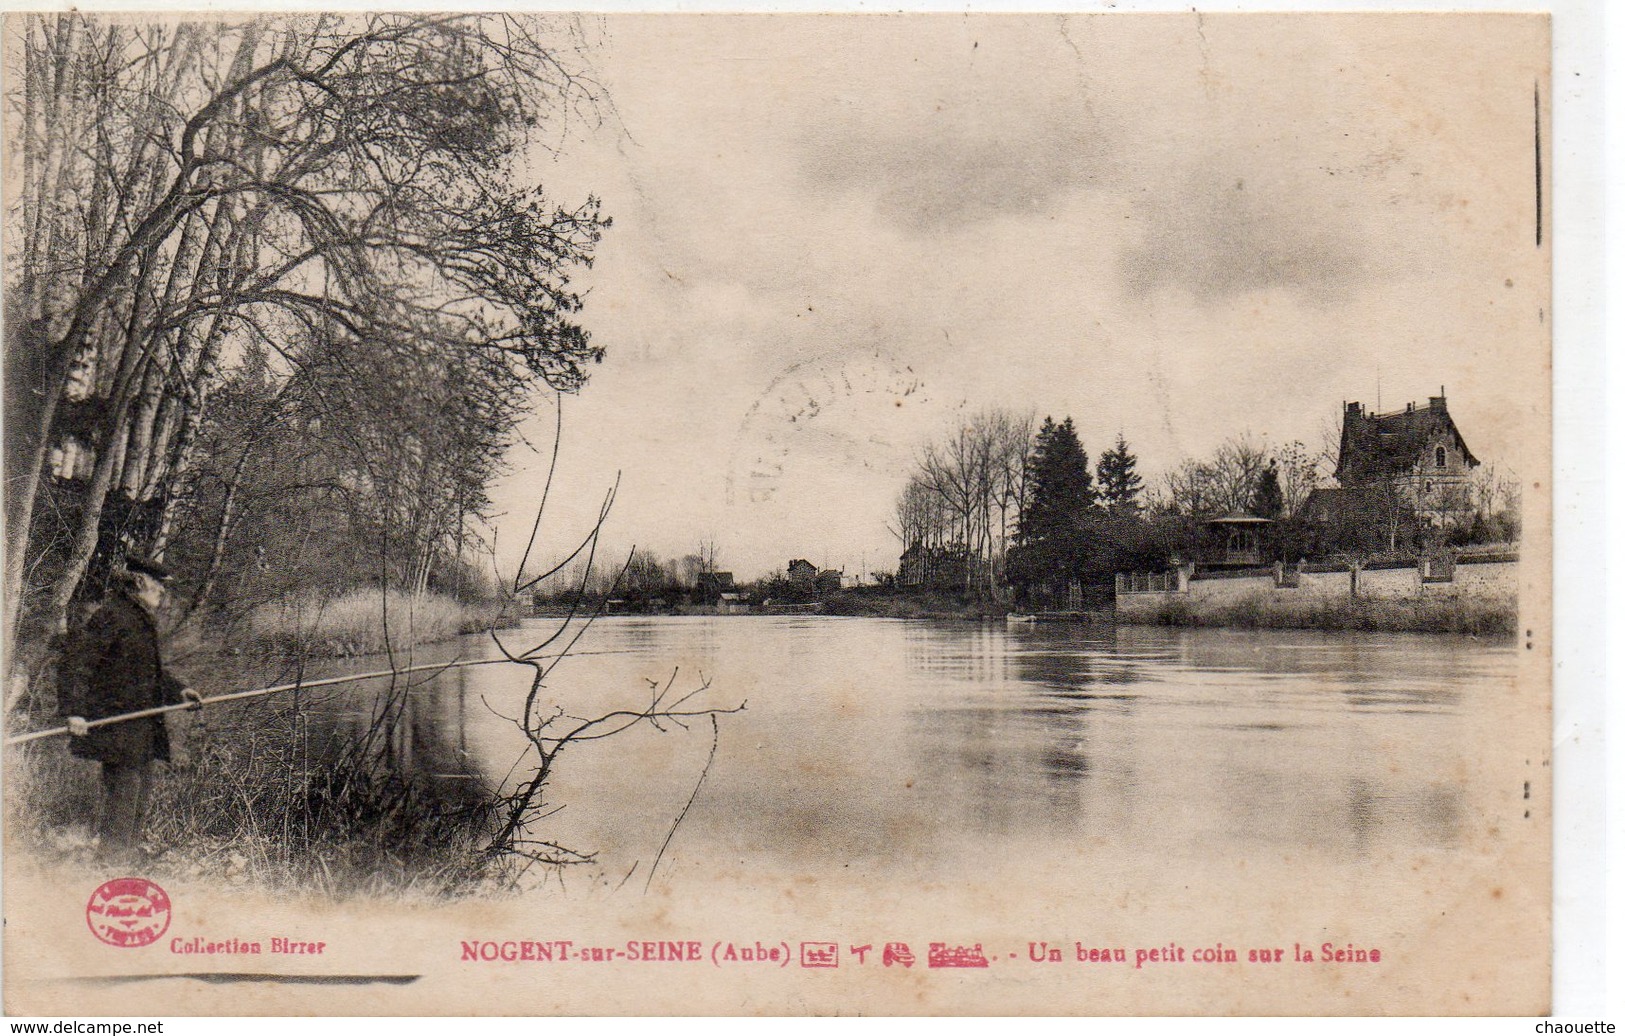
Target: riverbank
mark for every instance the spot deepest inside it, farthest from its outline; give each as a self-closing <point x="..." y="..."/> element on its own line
<point x="1467" y="593"/>
<point x="893" y="605"/>
<point x="1478" y="617"/>
<point x="867" y="602"/>
<point x="246" y="799"/>
<point x="205" y="823"/>
<point x="254" y="795"/>
<point x="1471" y="616"/>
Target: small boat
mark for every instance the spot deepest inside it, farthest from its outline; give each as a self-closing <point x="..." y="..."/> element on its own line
<point x="1016" y="619"/>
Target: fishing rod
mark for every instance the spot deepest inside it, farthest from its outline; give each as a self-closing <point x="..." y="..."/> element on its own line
<point x="125" y="717"/>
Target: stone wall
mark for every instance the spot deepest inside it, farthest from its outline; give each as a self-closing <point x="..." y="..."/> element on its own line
<point x="1495" y="578"/>
<point x="1391" y="583"/>
<point x="1491" y="582"/>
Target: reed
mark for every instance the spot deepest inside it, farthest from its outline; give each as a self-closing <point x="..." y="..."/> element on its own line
<point x="360" y="622"/>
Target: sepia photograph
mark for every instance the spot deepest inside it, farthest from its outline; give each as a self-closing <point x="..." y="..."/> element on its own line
<point x="778" y="514"/>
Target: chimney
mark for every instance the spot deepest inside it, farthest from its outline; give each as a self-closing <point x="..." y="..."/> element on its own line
<point x="1436" y="403"/>
<point x="1351" y="409"/>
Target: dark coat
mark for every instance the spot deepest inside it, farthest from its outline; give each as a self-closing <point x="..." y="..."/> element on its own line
<point x="112" y="666"/>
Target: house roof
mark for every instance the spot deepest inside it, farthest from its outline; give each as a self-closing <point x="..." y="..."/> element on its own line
<point x="1361" y="502"/>
<point x="1377" y="446"/>
<point x="1238" y="518"/>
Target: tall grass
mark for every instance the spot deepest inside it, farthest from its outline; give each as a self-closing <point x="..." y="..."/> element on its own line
<point x="360" y="622"/>
<point x="1473" y="616"/>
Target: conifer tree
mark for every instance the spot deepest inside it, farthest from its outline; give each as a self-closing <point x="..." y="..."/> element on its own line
<point x="1060" y="496"/>
<point x="1119" y="484"/>
<point x="1267" y="501"/>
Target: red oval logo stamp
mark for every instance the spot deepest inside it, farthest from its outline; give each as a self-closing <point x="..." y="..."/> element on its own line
<point x="128" y="912"/>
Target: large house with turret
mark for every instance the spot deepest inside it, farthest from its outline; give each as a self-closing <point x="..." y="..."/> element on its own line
<point x="1399" y="473"/>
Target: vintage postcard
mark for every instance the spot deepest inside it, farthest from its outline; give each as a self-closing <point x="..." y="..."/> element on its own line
<point x="782" y="514"/>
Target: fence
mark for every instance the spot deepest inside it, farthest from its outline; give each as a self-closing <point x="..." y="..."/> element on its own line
<point x="1148" y="582"/>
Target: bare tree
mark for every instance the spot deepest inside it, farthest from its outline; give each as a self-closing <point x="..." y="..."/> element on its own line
<point x="1223" y="484"/>
<point x="966" y="493"/>
<point x="1300" y="474"/>
<point x="707" y="554"/>
<point x="334" y="180"/>
<point x="919" y="515"/>
<point x="549" y="730"/>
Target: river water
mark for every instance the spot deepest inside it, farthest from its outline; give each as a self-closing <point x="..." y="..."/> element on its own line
<point x="875" y="746"/>
<point x="1019" y="795"/>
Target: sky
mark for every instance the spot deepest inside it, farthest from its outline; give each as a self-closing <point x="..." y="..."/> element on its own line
<point x="837" y="236"/>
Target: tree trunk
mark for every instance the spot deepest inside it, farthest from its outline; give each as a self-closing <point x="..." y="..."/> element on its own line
<point x="84" y="544"/>
<point x="20" y="515"/>
<point x="115" y="437"/>
<point x="217" y="554"/>
<point x="138" y="457"/>
<point x="173" y="456"/>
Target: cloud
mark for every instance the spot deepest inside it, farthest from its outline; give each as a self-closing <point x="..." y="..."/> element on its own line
<point x="1217" y="235"/>
<point x="943" y="123"/>
<point x="955" y="167"/>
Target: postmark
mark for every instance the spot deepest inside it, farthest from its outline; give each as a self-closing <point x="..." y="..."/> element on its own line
<point x="128" y="912"/>
<point x="809" y="410"/>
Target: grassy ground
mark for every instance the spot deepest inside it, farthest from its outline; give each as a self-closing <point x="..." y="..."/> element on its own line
<point x="1472" y="616"/>
<point x="245" y="803"/>
<point x="246" y="800"/>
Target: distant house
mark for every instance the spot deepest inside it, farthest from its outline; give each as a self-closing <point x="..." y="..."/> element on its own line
<point x="828" y="580"/>
<point x="710" y="587"/>
<point x="1418" y="452"/>
<point x="803" y="572"/>
<point x="1398" y="472"/>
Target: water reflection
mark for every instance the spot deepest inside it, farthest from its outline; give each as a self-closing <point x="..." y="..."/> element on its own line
<point x="898" y="743"/>
<point x="414" y="724"/>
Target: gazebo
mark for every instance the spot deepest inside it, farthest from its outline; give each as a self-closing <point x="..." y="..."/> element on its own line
<point x="1238" y="535"/>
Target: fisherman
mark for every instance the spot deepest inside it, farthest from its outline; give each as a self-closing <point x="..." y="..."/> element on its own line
<point x="112" y="666"/>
